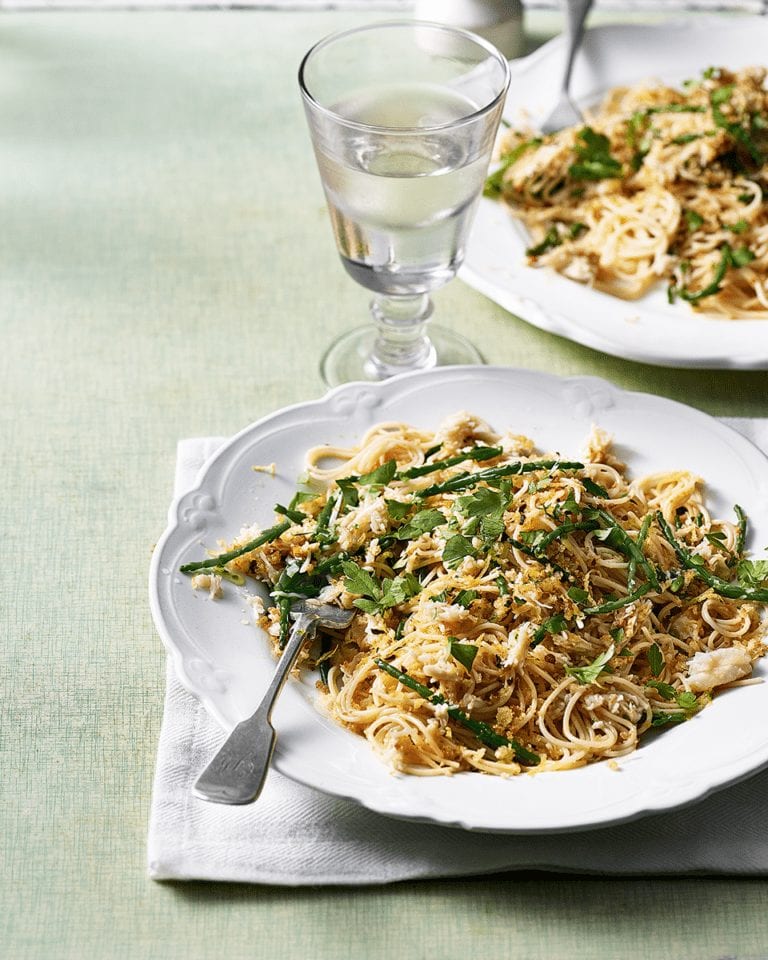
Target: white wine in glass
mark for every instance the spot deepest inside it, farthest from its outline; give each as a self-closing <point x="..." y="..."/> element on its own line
<point x="403" y="117"/>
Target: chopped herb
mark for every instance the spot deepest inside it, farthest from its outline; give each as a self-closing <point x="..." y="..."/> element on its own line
<point x="551" y="239"/>
<point x="381" y="476"/>
<point x="655" y="659"/>
<point x="396" y="509"/>
<point x="595" y="161"/>
<point x="665" y="690"/>
<point x="577" y="229"/>
<point x="734" y="129"/>
<point x="726" y="259"/>
<point x="578" y="595"/>
<point x="374" y="596"/>
<point x="501" y="583"/>
<point x="617" y="635"/>
<point x="554" y="624"/>
<point x="742" y="257"/>
<point x="721" y="95"/>
<point x="673" y="716"/>
<point x="495" y="183"/>
<point x="687" y="138"/>
<point x="753" y="573"/>
<point x="456" y="549"/>
<point x="482" y="503"/>
<point x="745" y="198"/>
<point x="349" y="492"/>
<point x="637" y="126"/>
<point x="568" y="506"/>
<point x="360" y="581"/>
<point x="487" y="508"/>
<point x="687" y="700"/>
<point x="424" y="521"/>
<point x="717" y="539"/>
<point x="465" y="653"/>
<point x="592" y="671"/>
<point x="484" y="733"/>
<point x="301" y="496"/>
<point x="693" y="219"/>
<point x="465" y="597"/>
<point x="741" y="226"/>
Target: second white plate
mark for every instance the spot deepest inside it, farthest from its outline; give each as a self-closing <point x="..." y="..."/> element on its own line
<point x="649" y="329"/>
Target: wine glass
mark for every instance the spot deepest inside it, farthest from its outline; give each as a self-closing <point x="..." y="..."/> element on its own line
<point x="403" y="116"/>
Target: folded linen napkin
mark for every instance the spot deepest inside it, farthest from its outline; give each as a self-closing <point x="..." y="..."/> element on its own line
<point x="294" y="835"/>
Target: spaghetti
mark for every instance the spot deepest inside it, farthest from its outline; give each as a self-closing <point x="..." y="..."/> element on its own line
<point x="658" y="184"/>
<point x="514" y="610"/>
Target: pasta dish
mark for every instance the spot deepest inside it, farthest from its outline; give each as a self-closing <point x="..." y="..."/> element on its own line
<point x="657" y="184"/>
<point x="515" y="610"/>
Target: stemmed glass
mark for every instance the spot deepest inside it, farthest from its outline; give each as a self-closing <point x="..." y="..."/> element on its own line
<point x="403" y="117"/>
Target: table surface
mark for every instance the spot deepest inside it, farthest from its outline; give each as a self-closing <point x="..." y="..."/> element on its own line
<point x="167" y="270"/>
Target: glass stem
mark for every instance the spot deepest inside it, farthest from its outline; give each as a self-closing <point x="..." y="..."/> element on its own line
<point x="401" y="343"/>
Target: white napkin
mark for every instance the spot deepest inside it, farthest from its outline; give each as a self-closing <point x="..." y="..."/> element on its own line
<point x="295" y="836"/>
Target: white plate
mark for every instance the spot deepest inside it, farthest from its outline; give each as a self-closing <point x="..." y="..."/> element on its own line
<point x="649" y="329"/>
<point x="226" y="663"/>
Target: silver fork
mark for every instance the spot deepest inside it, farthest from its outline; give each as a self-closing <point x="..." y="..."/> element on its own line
<point x="566" y="113"/>
<point x="238" y="771"/>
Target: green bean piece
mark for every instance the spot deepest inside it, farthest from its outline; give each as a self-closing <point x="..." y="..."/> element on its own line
<point x="741" y="530"/>
<point x="322" y="530"/>
<point x="645" y="526"/>
<point x="621" y="541"/>
<point x="734" y="591"/>
<point x="479" y="453"/>
<point x="267" y="537"/>
<point x="565" y="528"/>
<point x="484" y="733"/>
<point x="298" y="516"/>
<point x="464" y="480"/>
<point x="610" y="605"/>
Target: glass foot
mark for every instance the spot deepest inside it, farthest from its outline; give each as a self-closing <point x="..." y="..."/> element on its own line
<point x="351" y="357"/>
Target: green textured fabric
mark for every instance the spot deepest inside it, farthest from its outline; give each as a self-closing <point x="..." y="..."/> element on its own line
<point x="167" y="270"/>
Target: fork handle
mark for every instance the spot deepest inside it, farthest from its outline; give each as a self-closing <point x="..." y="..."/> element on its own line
<point x="575" y="16"/>
<point x="237" y="773"/>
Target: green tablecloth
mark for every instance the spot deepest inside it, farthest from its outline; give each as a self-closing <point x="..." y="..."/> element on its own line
<point x="167" y="270"/>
